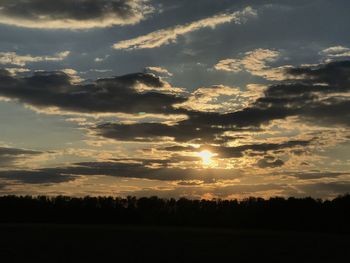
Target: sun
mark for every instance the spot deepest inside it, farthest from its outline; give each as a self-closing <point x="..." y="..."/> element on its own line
<point x="206" y="157"/>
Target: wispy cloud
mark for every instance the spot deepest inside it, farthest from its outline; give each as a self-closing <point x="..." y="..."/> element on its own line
<point x="12" y="58"/>
<point x="166" y="36"/>
<point x="335" y="52"/>
<point x="159" y="70"/>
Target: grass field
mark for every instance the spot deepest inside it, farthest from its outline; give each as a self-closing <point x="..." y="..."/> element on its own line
<point x="92" y="243"/>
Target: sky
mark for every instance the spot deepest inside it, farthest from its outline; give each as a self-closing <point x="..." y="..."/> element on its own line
<point x="198" y="99"/>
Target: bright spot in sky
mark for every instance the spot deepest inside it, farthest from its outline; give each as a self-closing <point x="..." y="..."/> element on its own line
<point x="206" y="157"/>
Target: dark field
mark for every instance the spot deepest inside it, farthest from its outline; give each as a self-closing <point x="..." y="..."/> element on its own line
<point x="107" y="243"/>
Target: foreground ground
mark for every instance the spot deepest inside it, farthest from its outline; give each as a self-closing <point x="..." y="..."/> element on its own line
<point x="86" y="243"/>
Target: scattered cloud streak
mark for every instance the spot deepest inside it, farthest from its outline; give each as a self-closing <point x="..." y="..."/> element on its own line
<point x="12" y="58"/>
<point x="170" y="35"/>
<point x="336" y="52"/>
<point x="158" y="70"/>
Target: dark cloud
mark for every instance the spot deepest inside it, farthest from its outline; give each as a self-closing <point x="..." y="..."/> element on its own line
<point x="128" y="169"/>
<point x="270" y="162"/>
<point x="9" y="156"/>
<point x="16" y="152"/>
<point x="316" y="175"/>
<point x="72" y="13"/>
<point x="326" y="188"/>
<point x="36" y="176"/>
<point x="335" y="74"/>
<point x="182" y="131"/>
<point x="55" y="89"/>
<point x="198" y="127"/>
<point x="318" y="95"/>
<point x="164" y="163"/>
<point x="238" y="151"/>
<point x="139" y="170"/>
<point x="315" y="96"/>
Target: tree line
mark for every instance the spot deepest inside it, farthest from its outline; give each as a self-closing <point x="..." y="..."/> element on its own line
<point x="304" y="214"/>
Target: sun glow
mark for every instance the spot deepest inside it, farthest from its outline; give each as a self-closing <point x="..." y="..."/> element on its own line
<point x="206" y="157"/>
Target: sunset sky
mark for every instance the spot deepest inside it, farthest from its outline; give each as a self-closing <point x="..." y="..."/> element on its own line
<point x="194" y="98"/>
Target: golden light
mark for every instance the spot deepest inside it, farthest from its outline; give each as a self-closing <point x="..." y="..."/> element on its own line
<point x="206" y="157"/>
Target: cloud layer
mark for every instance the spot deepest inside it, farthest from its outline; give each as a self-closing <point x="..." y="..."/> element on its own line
<point x="319" y="96"/>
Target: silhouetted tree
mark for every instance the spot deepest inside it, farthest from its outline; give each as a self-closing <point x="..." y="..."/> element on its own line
<point x="275" y="213"/>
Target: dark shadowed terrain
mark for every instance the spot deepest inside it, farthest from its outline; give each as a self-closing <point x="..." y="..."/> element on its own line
<point x="96" y="243"/>
<point x="107" y="229"/>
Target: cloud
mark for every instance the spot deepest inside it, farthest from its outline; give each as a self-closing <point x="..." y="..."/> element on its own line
<point x="10" y="156"/>
<point x="15" y="71"/>
<point x="182" y="131"/>
<point x="72" y="14"/>
<point x="239" y="151"/>
<point x="122" y="168"/>
<point x="336" y="52"/>
<point x="12" y="58"/>
<point x="15" y="151"/>
<point x="334" y="76"/>
<point x="58" y="90"/>
<point x="215" y="98"/>
<point x="270" y="162"/>
<point x="170" y="35"/>
<point x="310" y="175"/>
<point x="255" y="62"/>
<point x="231" y="65"/>
<point x="159" y="70"/>
<point x="319" y="95"/>
<point x="36" y="177"/>
<point x="321" y="189"/>
<point x="73" y="74"/>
